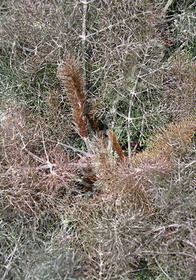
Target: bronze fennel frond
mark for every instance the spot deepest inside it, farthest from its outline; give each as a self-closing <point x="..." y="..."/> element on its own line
<point x="73" y="85"/>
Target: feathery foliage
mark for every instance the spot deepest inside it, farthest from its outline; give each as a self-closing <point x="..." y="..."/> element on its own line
<point x="70" y="74"/>
<point x="125" y="208"/>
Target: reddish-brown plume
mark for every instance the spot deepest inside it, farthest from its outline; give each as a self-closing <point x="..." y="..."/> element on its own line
<point x="73" y="83"/>
<point x="115" y="144"/>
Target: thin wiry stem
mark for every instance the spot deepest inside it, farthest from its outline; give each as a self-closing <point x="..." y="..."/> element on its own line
<point x="85" y="3"/>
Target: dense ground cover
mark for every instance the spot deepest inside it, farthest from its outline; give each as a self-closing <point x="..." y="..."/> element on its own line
<point x="98" y="140"/>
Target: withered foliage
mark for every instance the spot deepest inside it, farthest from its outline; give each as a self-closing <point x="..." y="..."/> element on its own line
<point x="175" y="139"/>
<point x="35" y="172"/>
<point x="122" y="218"/>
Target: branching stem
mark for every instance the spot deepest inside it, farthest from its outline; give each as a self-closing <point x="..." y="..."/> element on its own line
<point x="85" y="3"/>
